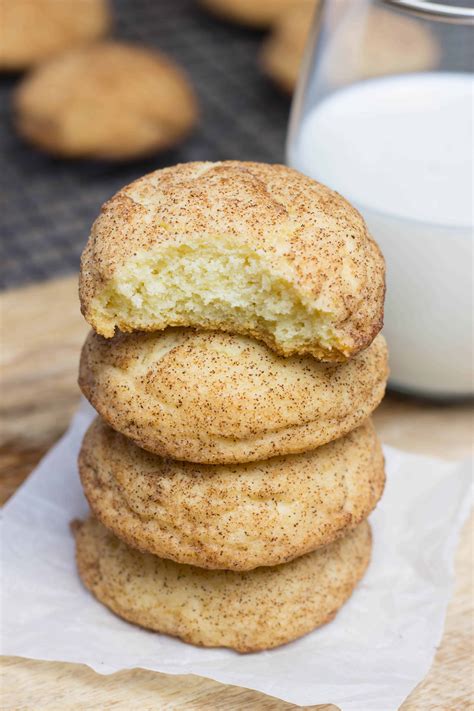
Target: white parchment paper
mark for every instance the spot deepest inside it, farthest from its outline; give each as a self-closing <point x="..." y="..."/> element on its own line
<point x="368" y="659"/>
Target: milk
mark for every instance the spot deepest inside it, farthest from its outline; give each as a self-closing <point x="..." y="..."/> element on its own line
<point x="401" y="150"/>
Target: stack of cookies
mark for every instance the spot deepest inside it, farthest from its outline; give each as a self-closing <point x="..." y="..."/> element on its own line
<point x="234" y="364"/>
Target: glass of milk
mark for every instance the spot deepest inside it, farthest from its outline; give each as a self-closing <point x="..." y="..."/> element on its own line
<point x="384" y="115"/>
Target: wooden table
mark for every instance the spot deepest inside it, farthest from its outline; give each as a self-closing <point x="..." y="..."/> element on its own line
<point x="42" y="332"/>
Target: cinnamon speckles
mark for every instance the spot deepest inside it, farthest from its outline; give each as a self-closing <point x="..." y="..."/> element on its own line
<point x="216" y="398"/>
<point x="247" y="611"/>
<point x="234" y="364"/>
<point x="299" y="230"/>
<point x="238" y="516"/>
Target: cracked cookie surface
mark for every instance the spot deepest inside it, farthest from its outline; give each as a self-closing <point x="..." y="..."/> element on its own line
<point x="216" y="398"/>
<point x="250" y="611"/>
<point x="238" y="516"/>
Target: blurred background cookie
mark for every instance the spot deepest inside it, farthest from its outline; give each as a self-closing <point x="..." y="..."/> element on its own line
<point x="249" y="611"/>
<point x="108" y="101"/>
<point x="252" y="13"/>
<point x="34" y="30"/>
<point x="283" y="49"/>
<point x="392" y="44"/>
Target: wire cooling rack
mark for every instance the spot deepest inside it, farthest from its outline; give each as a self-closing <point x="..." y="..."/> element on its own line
<point x="47" y="205"/>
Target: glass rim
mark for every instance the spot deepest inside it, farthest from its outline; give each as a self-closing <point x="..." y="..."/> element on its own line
<point x="455" y="13"/>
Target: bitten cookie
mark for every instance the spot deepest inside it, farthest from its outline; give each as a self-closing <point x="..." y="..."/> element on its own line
<point x="248" y="248"/>
<point x="387" y="44"/>
<point x="109" y="101"/>
<point x="234" y="517"/>
<point x="248" y="612"/>
<point x="34" y="30"/>
<point x="216" y="398"/>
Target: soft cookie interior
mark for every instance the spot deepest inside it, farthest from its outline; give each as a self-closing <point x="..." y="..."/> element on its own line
<point x="214" y="285"/>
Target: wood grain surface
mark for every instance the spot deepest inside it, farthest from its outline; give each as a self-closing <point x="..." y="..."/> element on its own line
<point x="42" y="332"/>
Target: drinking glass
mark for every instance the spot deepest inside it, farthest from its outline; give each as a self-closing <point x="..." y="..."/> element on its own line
<point x="383" y="113"/>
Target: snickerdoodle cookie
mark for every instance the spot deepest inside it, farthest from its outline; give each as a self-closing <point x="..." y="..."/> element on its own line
<point x="216" y="398"/>
<point x="237" y="516"/>
<point x="249" y="611"/>
<point x="249" y="248"/>
<point x="387" y="44"/>
<point x="34" y="30"/>
<point x="282" y="50"/>
<point x="258" y="14"/>
<point x="108" y="101"/>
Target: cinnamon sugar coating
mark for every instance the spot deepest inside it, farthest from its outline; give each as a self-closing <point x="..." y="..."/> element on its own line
<point x="216" y="398"/>
<point x="251" y="611"/>
<point x="248" y="248"/>
<point x="236" y="517"/>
